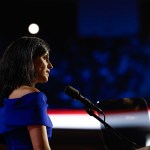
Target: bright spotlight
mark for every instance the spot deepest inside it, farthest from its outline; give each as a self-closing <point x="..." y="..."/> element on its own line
<point x="33" y="28"/>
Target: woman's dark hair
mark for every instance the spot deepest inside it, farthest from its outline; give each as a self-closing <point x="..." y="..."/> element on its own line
<point x="16" y="65"/>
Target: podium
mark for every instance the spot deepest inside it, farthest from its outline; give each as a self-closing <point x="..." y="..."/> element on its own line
<point x="144" y="148"/>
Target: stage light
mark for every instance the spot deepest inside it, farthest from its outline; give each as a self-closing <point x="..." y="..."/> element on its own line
<point x="33" y="28"/>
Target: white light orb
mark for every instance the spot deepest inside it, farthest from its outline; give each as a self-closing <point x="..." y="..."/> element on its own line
<point x="33" y="28"/>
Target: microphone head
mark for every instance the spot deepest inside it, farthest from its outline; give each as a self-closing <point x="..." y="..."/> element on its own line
<point x="72" y="92"/>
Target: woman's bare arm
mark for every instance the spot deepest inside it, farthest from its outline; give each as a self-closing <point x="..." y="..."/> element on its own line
<point x="39" y="137"/>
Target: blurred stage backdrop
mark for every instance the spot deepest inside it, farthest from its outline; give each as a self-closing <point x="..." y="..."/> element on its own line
<point x="100" y="47"/>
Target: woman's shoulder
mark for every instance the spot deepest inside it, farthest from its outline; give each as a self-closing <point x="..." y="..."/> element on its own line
<point x="25" y="95"/>
<point x="22" y="91"/>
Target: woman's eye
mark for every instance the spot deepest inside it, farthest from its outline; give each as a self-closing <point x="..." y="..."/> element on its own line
<point x="46" y="58"/>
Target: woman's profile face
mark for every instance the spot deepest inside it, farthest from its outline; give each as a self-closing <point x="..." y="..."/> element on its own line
<point x="42" y="67"/>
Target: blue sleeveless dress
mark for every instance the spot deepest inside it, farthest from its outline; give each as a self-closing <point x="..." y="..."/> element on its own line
<point x="18" y="113"/>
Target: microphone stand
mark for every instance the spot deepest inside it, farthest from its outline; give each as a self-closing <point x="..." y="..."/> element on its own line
<point x="130" y="144"/>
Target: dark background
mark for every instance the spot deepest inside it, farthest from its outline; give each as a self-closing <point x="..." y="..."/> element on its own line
<point x="102" y="48"/>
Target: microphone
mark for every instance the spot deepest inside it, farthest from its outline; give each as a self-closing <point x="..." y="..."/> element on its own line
<point x="75" y="94"/>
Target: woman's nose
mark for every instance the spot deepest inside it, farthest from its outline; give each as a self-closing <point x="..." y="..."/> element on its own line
<point x="50" y="66"/>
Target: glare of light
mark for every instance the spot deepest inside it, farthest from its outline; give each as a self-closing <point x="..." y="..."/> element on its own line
<point x="76" y="121"/>
<point x="81" y="120"/>
<point x="33" y="28"/>
<point x="148" y="140"/>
